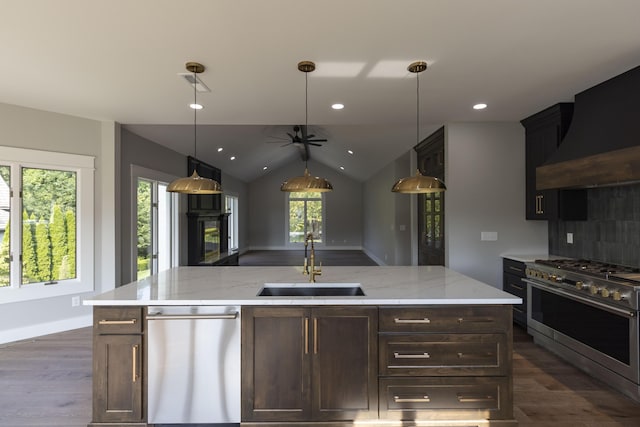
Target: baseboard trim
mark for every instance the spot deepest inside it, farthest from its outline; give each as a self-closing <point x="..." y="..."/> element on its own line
<point x="32" y="331"/>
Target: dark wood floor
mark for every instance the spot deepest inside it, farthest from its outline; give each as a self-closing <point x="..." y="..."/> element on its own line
<point x="47" y="382"/>
<point x="327" y="257"/>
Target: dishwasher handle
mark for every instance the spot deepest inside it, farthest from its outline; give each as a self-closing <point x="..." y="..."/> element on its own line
<point x="155" y="316"/>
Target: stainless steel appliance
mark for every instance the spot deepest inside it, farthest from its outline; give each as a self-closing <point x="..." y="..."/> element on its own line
<point x="193" y="365"/>
<point x="587" y="312"/>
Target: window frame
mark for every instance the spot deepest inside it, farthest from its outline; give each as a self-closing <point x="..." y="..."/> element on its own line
<point x="83" y="166"/>
<point x="155" y="177"/>
<point x="288" y="243"/>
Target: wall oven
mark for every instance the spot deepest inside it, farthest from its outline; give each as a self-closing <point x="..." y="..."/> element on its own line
<point x="589" y="319"/>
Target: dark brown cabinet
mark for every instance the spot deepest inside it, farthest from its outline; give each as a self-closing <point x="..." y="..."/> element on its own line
<point x="544" y="132"/>
<point x="512" y="275"/>
<point x="118" y="367"/>
<point x="442" y="362"/>
<point x="430" y="153"/>
<point x="309" y="364"/>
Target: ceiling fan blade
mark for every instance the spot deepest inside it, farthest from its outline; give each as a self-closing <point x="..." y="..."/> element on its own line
<point x="291" y="136"/>
<point x="313" y="143"/>
<point x="316" y="140"/>
<point x="288" y="143"/>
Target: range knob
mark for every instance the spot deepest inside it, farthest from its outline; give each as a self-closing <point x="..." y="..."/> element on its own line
<point x="619" y="296"/>
<point x="593" y="289"/>
<point x="579" y="285"/>
<point x="605" y="292"/>
<point x="545" y="276"/>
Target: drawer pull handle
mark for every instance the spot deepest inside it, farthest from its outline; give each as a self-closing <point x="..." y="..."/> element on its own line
<point x="411" y="356"/>
<point x="399" y="399"/>
<point x="425" y="320"/>
<point x="471" y="399"/>
<point x="520" y="288"/>
<point x="476" y="320"/>
<point x="118" y="322"/>
<point x="518" y="310"/>
<point x="519" y="270"/>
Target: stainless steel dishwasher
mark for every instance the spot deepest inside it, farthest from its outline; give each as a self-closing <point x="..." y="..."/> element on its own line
<point x="193" y="364"/>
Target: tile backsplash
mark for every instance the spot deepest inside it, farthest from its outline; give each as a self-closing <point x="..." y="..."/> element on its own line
<point x="611" y="232"/>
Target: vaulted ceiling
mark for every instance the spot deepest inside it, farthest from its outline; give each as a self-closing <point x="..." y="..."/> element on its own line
<point x="120" y="60"/>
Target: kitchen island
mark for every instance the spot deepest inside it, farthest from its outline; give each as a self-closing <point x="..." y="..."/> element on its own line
<point x="422" y="346"/>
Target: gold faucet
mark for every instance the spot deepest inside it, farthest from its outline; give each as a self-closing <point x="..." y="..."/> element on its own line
<point x="311" y="268"/>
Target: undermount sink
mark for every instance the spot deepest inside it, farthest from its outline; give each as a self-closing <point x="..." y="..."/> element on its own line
<point x="311" y="290"/>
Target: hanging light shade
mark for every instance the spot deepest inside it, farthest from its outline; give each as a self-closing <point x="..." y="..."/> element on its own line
<point x="418" y="183"/>
<point x="195" y="184"/>
<point x="306" y="183"/>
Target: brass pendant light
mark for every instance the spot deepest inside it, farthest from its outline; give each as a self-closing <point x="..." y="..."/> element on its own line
<point x="418" y="183"/>
<point x="195" y="184"/>
<point x="306" y="183"/>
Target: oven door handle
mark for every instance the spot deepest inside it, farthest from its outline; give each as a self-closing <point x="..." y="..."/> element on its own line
<point x="615" y="310"/>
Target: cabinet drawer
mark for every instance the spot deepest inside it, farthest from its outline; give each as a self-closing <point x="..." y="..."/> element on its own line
<point x="457" y="319"/>
<point x="117" y="320"/>
<point x="513" y="267"/>
<point x="445" y="398"/>
<point x="514" y="285"/>
<point x="443" y="355"/>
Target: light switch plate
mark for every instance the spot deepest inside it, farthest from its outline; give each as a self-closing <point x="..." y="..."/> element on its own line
<point x="570" y="238"/>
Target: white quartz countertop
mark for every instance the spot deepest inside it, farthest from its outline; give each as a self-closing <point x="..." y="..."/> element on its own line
<point x="240" y="285"/>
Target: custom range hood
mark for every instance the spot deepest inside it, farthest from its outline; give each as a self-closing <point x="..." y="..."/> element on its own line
<point x="602" y="146"/>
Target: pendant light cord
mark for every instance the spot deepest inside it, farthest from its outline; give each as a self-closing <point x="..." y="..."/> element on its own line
<point x="417" y="108"/>
<point x="195" y="112"/>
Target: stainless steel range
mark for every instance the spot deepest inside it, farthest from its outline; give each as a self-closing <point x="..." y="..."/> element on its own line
<point x="587" y="312"/>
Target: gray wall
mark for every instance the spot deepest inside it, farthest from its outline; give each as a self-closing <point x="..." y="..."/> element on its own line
<point x="41" y="130"/>
<point x="611" y="232"/>
<point x="235" y="187"/>
<point x="485" y="177"/>
<point x="387" y="216"/>
<point x="139" y="151"/>
<point x="343" y="222"/>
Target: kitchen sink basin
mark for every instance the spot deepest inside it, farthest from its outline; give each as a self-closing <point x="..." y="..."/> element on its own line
<point x="311" y="290"/>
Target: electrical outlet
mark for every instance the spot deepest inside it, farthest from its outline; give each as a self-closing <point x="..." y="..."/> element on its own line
<point x="570" y="238"/>
<point x="75" y="301"/>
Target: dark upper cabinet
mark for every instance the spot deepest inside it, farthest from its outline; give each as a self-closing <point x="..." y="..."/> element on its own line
<point x="430" y="152"/>
<point x="544" y="132"/>
<point x="204" y="202"/>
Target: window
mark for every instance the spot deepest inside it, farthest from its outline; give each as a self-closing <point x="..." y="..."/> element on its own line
<point x="231" y="206"/>
<point x="306" y="213"/>
<point x="156" y="223"/>
<point x="50" y="199"/>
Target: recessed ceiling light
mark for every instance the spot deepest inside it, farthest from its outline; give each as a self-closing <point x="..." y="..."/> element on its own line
<point x="232" y="157"/>
<point x="220" y="149"/>
<point x="196" y="106"/>
<point x="350" y="151"/>
<point x="264" y="168"/>
<point x="480" y="106"/>
<point x="337" y="106"/>
<point x="342" y="167"/>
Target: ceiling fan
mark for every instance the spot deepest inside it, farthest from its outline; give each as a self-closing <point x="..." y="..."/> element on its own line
<point x="300" y="136"/>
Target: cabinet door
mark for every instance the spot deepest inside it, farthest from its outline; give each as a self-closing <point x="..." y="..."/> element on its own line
<point x="117" y="378"/>
<point x="541" y="143"/>
<point x="344" y="363"/>
<point x="275" y="364"/>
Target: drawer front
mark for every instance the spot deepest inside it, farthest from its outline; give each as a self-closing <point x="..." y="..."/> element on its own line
<point x="457" y="319"/>
<point x="117" y="320"/>
<point x="514" y="285"/>
<point x="443" y="355"/>
<point x="445" y="398"/>
<point x="514" y="267"/>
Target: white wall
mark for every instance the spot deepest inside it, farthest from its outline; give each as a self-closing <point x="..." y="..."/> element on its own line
<point x="387" y="216"/>
<point x="268" y="208"/>
<point x="485" y="177"/>
<point x="41" y="130"/>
